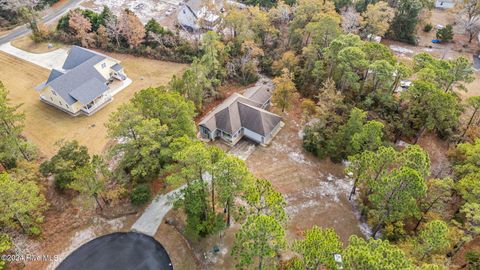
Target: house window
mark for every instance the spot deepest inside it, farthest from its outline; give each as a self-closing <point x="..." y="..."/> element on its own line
<point x="104" y="65"/>
<point x="66" y="105"/>
<point x="60" y="102"/>
<point x="54" y="93"/>
<point x="51" y="98"/>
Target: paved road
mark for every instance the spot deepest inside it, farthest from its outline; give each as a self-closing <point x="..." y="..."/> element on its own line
<point x="119" y="251"/>
<point x="22" y="30"/>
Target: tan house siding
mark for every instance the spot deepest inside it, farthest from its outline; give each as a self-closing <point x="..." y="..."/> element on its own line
<point x="104" y="67"/>
<point x="51" y="96"/>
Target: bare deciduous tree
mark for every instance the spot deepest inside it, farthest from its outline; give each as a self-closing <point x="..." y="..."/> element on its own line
<point x="82" y="28"/>
<point x="102" y="37"/>
<point x="351" y="21"/>
<point x="113" y="30"/>
<point x="131" y="28"/>
<point x="470" y="17"/>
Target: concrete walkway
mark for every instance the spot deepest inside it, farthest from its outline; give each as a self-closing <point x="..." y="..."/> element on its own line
<point x="49" y="60"/>
<point x="152" y="217"/>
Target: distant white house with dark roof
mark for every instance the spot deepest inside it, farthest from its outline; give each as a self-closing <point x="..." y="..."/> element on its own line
<point x="444" y="4"/>
<point x="243" y="116"/>
<point x="194" y="15"/>
<point x="84" y="84"/>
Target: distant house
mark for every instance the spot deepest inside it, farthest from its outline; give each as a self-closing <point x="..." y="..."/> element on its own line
<point x="194" y="15"/>
<point x="83" y="84"/>
<point x="243" y="116"/>
<point x="444" y="4"/>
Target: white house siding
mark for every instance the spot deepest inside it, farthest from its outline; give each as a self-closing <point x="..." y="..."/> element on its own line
<point x="77" y="106"/>
<point x="49" y="96"/>
<point x="252" y="135"/>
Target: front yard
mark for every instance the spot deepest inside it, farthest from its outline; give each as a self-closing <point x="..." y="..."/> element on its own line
<point x="45" y="125"/>
<point x="316" y="193"/>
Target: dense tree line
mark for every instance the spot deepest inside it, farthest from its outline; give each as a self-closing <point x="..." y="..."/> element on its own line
<point x="122" y="33"/>
<point x="21" y="196"/>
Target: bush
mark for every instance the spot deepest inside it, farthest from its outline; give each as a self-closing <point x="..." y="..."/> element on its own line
<point x="5" y="245"/>
<point x="42" y="34"/>
<point x="428" y="27"/>
<point x="473" y="260"/>
<point x="445" y="34"/>
<point x="62" y="180"/>
<point x="140" y="195"/>
<point x="317" y="138"/>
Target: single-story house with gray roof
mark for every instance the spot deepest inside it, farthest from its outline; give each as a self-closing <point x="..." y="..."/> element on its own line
<point x="83" y="83"/>
<point x="243" y="116"/>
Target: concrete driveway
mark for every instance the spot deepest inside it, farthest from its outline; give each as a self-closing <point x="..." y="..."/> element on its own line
<point x="48" y="60"/>
<point x="152" y="217"/>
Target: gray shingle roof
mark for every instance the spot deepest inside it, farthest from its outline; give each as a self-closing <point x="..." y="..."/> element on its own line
<point x="260" y="94"/>
<point x="79" y="55"/>
<point x="53" y="75"/>
<point x="225" y="116"/>
<point x="79" y="81"/>
<point x="257" y="120"/>
<point x="89" y="91"/>
<point x="117" y="67"/>
<point x="237" y="112"/>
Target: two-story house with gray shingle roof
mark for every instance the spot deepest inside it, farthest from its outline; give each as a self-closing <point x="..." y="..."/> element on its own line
<point x="83" y="84"/>
<point x="243" y="116"/>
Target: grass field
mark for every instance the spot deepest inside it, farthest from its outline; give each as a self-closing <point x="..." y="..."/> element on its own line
<point x="46" y="125"/>
<point x="27" y="44"/>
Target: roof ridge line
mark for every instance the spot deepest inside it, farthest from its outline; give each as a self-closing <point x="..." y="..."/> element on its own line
<point x="260" y="109"/>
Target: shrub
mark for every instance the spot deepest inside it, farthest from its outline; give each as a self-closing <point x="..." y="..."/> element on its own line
<point x="317" y="138"/>
<point x="140" y="195"/>
<point x="5" y="245"/>
<point x="62" y="180"/>
<point x="42" y="34"/>
<point x="473" y="260"/>
<point x="445" y="34"/>
<point x="428" y="27"/>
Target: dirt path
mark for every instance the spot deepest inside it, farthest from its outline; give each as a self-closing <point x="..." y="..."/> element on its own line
<point x="315" y="190"/>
